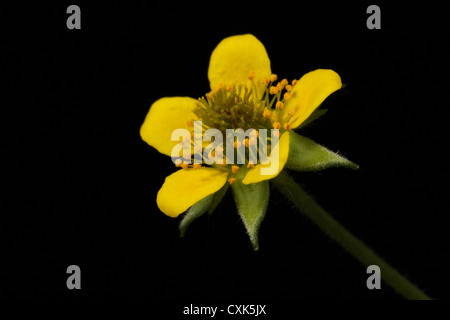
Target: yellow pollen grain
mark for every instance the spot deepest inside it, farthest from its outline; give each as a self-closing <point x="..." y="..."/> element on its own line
<point x="231" y="180"/>
<point x="234" y="169"/>
<point x="197" y="165"/>
<point x="273" y="77"/>
<point x="251" y="75"/>
<point x="287" y="96"/>
<point x="276" y="125"/>
<point x="184" y="165"/>
<point x="267" y="113"/>
<point x="273" y="90"/>
<point x="279" y="105"/>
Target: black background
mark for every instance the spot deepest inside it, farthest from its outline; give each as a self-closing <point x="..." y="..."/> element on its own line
<point x="82" y="184"/>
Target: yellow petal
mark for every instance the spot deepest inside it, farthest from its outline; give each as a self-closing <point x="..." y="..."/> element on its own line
<point x="233" y="59"/>
<point x="254" y="175"/>
<point x="185" y="187"/>
<point x="309" y="92"/>
<point x="166" y="115"/>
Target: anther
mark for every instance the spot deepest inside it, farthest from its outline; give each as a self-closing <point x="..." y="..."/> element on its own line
<point x="273" y="77"/>
<point x="273" y="90"/>
<point x="291" y="112"/>
<point x="197" y="165"/>
<point x="267" y="113"/>
<point x="289" y="88"/>
<point x="231" y="180"/>
<point x="287" y="96"/>
<point x="234" y="169"/>
<point x="184" y="165"/>
<point x="287" y="126"/>
<point x="276" y="125"/>
<point x="250" y="164"/>
<point x="229" y="87"/>
<point x="279" y="105"/>
<point x="265" y="81"/>
<point x="178" y="162"/>
<point x="251" y="75"/>
<point x="294" y="82"/>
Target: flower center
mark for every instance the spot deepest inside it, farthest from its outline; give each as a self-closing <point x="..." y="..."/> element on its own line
<point x="240" y="107"/>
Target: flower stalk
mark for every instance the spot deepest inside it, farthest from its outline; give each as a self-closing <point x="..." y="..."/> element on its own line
<point x="306" y="204"/>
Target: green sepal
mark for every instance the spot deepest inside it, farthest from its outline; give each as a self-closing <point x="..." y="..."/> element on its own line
<point x="251" y="201"/>
<point x="306" y="155"/>
<point x="194" y="212"/>
<point x="314" y="116"/>
<point x="217" y="198"/>
<point x="207" y="204"/>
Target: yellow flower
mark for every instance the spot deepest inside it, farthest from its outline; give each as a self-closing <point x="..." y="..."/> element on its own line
<point x="238" y="73"/>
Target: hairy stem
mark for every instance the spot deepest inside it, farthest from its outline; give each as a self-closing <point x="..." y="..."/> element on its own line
<point x="341" y="235"/>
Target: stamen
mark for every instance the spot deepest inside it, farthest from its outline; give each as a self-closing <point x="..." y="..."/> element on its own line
<point x="279" y="105"/>
<point x="294" y="82"/>
<point x="287" y="96"/>
<point x="273" y="90"/>
<point x="234" y="169"/>
<point x="231" y="180"/>
<point x="184" y="165"/>
<point x="267" y="113"/>
<point x="280" y="86"/>
<point x="251" y="75"/>
<point x="289" y="88"/>
<point x="273" y="77"/>
<point x="276" y="125"/>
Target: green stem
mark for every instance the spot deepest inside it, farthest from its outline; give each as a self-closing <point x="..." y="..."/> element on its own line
<point x="341" y="235"/>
